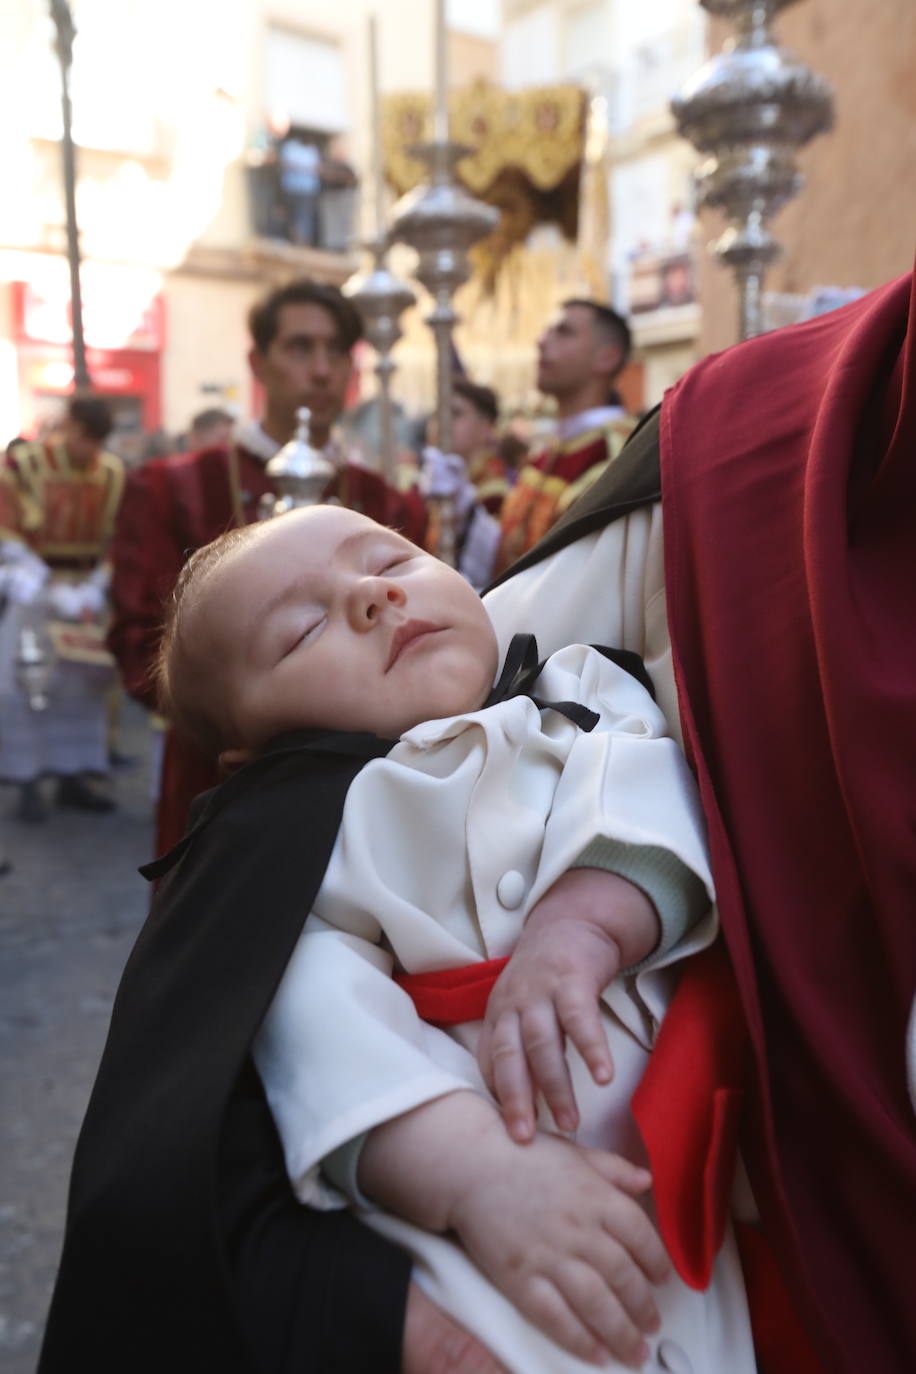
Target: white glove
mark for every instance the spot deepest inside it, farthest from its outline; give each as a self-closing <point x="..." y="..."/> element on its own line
<point x="481" y="545"/>
<point x="445" y="478"/>
<point x="22" y="573"/>
<point x="100" y="577"/>
<point x="73" y="600"/>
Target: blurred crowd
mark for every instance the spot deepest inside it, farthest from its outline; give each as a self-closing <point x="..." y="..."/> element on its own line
<point x="91" y="541"/>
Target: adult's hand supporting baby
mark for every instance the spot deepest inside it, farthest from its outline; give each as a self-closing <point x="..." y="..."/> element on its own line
<point x="434" y="1344"/>
<point x="578" y="937"/>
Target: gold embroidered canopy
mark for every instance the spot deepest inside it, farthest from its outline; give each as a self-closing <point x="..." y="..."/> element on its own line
<point x="538" y="132"/>
<point x="527" y="147"/>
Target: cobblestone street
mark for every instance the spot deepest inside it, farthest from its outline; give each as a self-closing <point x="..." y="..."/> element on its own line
<point x="69" y="912"/>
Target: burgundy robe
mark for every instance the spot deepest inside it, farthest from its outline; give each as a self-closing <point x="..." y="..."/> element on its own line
<point x="789" y="494"/>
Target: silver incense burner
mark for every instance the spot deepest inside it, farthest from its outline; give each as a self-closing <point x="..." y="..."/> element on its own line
<point x="299" y="472"/>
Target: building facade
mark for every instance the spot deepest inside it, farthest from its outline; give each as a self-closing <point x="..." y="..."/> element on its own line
<point x="195" y="126"/>
<point x="634" y="55"/>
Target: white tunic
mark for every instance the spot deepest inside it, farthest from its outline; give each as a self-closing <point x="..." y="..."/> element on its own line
<point x="444" y="847"/>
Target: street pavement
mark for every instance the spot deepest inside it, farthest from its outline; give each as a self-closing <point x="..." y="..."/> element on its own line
<point x="69" y="913"/>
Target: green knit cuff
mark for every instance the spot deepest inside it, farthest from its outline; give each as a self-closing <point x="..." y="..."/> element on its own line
<point x="678" y="895"/>
<point x="341" y="1168"/>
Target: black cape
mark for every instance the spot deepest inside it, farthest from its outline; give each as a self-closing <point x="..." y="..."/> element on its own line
<point x="185" y="1249"/>
<point x="178" y="1149"/>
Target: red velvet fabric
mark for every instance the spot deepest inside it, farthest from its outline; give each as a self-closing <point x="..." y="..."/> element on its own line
<point x="687" y="1107"/>
<point x="789" y="492"/>
<point x="781" y="1343"/>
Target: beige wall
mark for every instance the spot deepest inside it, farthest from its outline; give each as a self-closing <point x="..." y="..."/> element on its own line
<point x="206" y="342"/>
<point x="470" y="58"/>
<point x="854" y="223"/>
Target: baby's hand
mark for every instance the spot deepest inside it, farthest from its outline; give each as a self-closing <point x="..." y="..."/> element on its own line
<point x="558" y="1230"/>
<point x="570" y="950"/>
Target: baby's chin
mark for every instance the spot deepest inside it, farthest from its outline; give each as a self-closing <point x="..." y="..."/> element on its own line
<point x="461" y="704"/>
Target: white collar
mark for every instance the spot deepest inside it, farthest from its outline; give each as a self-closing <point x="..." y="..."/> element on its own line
<point x="594" y="418"/>
<point x="249" y="435"/>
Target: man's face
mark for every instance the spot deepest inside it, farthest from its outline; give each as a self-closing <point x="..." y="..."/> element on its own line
<point x="327" y="620"/>
<point x="214" y="435"/>
<point x="471" y="431"/>
<point x="305" y="364"/>
<point x="568" y="351"/>
<point x="80" y="446"/>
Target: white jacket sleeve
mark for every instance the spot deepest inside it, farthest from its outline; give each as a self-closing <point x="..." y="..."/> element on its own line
<point x="342" y="1049"/>
<point x="628" y="781"/>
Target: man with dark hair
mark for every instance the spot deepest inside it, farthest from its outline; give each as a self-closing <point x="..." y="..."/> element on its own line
<point x="66" y="493"/>
<point x="209" y="427"/>
<point x="302" y="336"/>
<point x="475" y="411"/>
<point x="580" y="354"/>
<point x="471" y="479"/>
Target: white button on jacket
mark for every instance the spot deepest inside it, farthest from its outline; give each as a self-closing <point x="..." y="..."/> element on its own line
<point x="511" y="889"/>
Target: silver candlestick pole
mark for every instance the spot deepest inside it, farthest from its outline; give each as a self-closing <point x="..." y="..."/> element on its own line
<point x="35" y="661"/>
<point x="299" y="472"/>
<point x="441" y="221"/>
<point x="749" y="108"/>
<point x="381" y="299"/>
<point x="379" y="296"/>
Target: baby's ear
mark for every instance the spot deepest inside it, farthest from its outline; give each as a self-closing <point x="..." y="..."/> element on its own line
<point x="231" y="759"/>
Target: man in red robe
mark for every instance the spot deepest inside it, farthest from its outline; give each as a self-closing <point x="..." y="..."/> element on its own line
<point x="475" y="412"/>
<point x="67" y="491"/>
<point x="579" y="355"/>
<point x="302" y="336"/>
<point x="770" y="591"/>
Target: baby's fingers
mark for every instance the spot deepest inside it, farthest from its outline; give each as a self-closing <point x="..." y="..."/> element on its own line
<point x="510" y="1079"/>
<point x="624" y="1219"/>
<point x="547" y="1308"/>
<point x="579" y="1014"/>
<point x="545" y="1049"/>
<point x="596" y="1303"/>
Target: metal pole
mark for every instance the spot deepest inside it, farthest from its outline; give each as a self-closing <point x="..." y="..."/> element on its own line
<point x="441" y="221"/>
<point x="748" y="108"/>
<point x="66" y="32"/>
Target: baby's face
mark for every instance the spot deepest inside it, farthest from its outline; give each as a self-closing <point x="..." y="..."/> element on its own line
<point x="326" y="619"/>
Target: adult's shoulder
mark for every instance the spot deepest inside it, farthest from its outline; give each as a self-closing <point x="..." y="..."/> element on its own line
<point x="628" y="482"/>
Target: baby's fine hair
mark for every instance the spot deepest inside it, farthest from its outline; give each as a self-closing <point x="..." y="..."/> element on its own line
<point x="176" y="673"/>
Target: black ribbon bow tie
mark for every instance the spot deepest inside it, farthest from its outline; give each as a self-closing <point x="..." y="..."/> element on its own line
<point x="522" y="668"/>
<point x="519" y="673"/>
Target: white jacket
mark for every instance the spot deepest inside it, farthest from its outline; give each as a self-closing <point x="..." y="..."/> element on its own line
<point x="445" y="845"/>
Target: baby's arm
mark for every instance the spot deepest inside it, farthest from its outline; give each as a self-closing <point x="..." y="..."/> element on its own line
<point x="583" y="931"/>
<point x="627" y="796"/>
<point x="555" y="1227"/>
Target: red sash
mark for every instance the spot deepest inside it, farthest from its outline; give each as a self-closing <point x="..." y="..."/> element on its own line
<point x="451" y="996"/>
<point x="687" y="1107"/>
<point x="687" y="1103"/>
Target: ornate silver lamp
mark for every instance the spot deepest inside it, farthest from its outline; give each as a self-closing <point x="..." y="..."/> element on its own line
<point x="441" y="221"/>
<point x="299" y="472"/>
<point x="380" y="297"/>
<point x="749" y="108"/>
